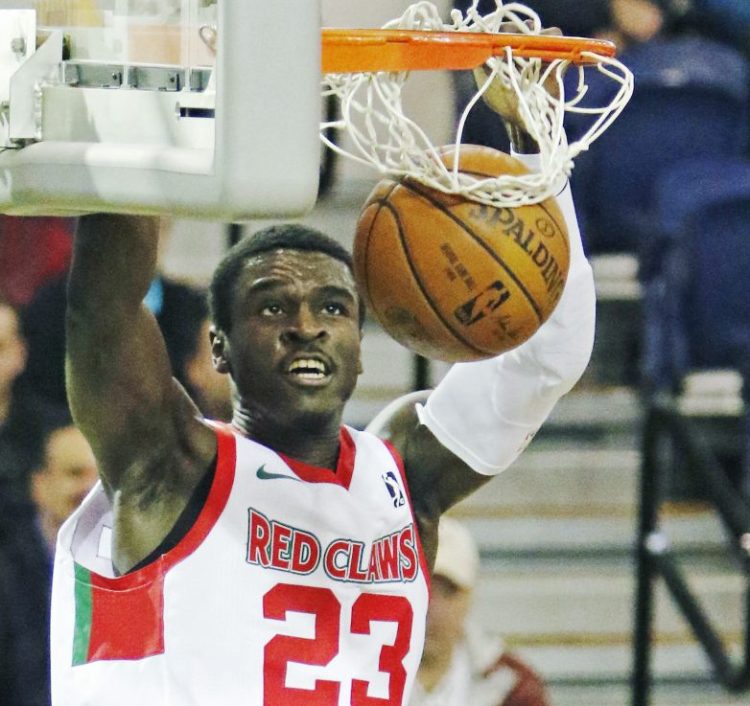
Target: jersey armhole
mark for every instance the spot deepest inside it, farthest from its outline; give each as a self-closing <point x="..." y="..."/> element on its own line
<point x="402" y="473"/>
<point x="163" y="557"/>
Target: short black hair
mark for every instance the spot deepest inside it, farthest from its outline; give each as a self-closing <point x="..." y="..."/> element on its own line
<point x="286" y="236"/>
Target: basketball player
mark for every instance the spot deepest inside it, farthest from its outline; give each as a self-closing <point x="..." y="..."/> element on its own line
<point x="283" y="559"/>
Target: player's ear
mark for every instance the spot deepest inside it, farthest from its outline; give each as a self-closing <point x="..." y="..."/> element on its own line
<point x="219" y="350"/>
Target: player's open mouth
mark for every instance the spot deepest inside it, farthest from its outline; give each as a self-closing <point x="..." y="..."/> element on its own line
<point x="309" y="370"/>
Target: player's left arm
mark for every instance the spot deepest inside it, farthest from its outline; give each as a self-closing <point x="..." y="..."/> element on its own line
<point x="483" y="415"/>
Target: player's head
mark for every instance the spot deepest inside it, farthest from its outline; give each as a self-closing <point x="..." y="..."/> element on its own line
<point x="287" y="236"/>
<point x="12" y="347"/>
<point x="287" y="324"/>
<point x="453" y="580"/>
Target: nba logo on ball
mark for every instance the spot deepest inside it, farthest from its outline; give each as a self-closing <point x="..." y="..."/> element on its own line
<point x="482" y="305"/>
<point x="469" y="280"/>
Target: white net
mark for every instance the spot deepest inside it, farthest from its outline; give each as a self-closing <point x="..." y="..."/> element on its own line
<point x="384" y="137"/>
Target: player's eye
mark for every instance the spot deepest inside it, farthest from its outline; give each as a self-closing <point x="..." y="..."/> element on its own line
<point x="272" y="309"/>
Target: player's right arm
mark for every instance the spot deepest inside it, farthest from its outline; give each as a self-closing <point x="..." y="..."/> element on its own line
<point x="150" y="444"/>
<point x="483" y="414"/>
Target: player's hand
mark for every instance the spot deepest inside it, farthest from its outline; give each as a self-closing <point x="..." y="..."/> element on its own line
<point x="501" y="97"/>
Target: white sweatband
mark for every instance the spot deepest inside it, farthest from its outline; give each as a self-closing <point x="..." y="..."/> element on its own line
<point x="487" y="412"/>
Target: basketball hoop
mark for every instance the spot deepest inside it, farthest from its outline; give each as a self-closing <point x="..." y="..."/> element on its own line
<point x="374" y="50"/>
<point x="366" y="70"/>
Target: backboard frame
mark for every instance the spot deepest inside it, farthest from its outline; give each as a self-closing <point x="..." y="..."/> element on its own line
<point x="265" y="156"/>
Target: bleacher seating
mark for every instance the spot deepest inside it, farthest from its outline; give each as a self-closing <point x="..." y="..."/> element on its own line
<point x="690" y="100"/>
<point x="697" y="309"/>
<point x="697" y="325"/>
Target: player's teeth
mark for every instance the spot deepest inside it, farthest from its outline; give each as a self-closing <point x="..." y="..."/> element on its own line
<point x="307" y="367"/>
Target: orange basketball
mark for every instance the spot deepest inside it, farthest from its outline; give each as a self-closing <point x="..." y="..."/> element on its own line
<point x="454" y="279"/>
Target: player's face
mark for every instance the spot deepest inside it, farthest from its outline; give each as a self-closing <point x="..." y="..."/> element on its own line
<point x="294" y="348"/>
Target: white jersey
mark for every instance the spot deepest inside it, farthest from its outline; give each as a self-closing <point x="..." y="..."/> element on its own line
<point x="295" y="585"/>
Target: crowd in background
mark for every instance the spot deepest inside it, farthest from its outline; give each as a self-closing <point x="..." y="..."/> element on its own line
<point x="46" y="464"/>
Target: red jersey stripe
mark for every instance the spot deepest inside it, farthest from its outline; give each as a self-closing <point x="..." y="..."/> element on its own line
<point x="122" y="617"/>
<point x="344" y="466"/>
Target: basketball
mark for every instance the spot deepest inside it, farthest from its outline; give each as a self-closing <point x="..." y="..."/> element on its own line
<point x="454" y="279"/>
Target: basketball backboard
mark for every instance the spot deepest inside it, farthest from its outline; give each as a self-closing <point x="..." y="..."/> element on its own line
<point x="123" y="105"/>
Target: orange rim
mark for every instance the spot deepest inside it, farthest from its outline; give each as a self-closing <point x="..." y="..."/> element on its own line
<point x="371" y="50"/>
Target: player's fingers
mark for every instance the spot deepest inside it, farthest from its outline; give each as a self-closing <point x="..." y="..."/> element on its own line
<point x="498" y="96"/>
<point x="481" y="74"/>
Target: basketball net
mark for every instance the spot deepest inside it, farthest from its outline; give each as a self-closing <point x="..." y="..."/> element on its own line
<point x="384" y="137"/>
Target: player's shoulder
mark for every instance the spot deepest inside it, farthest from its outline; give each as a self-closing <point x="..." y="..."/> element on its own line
<point x="364" y="440"/>
<point x="398" y="417"/>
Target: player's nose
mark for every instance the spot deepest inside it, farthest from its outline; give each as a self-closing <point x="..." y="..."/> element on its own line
<point x="305" y="326"/>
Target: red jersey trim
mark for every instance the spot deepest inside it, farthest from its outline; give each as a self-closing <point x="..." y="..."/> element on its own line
<point x="344" y="466"/>
<point x="402" y="472"/>
<point x="122" y="617"/>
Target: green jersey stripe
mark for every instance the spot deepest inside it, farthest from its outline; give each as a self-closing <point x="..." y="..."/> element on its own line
<point x="84" y="604"/>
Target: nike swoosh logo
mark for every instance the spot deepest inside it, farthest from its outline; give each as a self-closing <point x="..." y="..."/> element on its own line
<point x="263" y="474"/>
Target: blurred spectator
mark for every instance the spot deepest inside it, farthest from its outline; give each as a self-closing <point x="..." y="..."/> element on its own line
<point x="626" y="20"/>
<point x="62" y="481"/>
<point x="12" y="356"/>
<point x="44" y="329"/>
<point x="209" y="389"/>
<point x="579" y="18"/>
<point x="27" y="535"/>
<point x="576" y="18"/>
<point x="18" y="414"/>
<point x="633" y="21"/>
<point x="33" y="250"/>
<point x="176" y="306"/>
<point x="732" y="17"/>
<point x="193" y="364"/>
<point x="724" y="20"/>
<point x="460" y="665"/>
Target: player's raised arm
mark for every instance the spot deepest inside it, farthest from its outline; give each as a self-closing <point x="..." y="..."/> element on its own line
<point x="483" y="414"/>
<point x="142" y="426"/>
